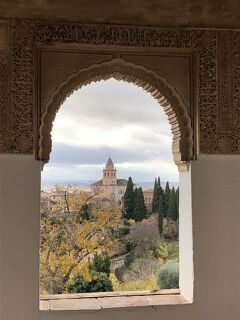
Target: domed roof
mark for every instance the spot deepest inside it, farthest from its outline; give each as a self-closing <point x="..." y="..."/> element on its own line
<point x="110" y="162"/>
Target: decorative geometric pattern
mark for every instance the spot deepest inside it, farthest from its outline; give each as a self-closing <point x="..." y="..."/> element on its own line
<point x="218" y="71"/>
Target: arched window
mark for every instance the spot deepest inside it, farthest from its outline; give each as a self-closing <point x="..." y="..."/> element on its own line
<point x="137" y="131"/>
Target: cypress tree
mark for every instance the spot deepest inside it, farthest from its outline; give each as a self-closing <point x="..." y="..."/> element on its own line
<point x="154" y="200"/>
<point x="173" y="207"/>
<point x="135" y="196"/>
<point x="160" y="214"/>
<point x="177" y="194"/>
<point x="177" y="201"/>
<point x="171" y="204"/>
<point x="128" y="200"/>
<point x="167" y="196"/>
<point x="156" y="194"/>
<point x="142" y="200"/>
<point x="140" y="211"/>
<point x="160" y="194"/>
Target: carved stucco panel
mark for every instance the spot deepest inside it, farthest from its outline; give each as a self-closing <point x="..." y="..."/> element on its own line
<point x="55" y="66"/>
<point x="204" y="42"/>
<point x="21" y="89"/>
<point x="218" y="69"/>
<point x="4" y="101"/>
<point x="236" y="93"/>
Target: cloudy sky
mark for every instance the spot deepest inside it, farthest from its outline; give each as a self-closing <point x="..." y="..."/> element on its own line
<point x="111" y="118"/>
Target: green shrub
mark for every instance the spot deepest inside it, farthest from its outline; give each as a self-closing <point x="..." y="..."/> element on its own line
<point x="168" y="275"/>
<point x="167" y="250"/>
<point x="119" y="272"/>
<point x="128" y="260"/>
<point x="99" y="283"/>
<point x="101" y="263"/>
<point x="77" y="285"/>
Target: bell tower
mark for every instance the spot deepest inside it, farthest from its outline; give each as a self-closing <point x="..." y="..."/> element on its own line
<point x="109" y="174"/>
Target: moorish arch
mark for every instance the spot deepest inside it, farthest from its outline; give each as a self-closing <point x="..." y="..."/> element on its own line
<point x="164" y="92"/>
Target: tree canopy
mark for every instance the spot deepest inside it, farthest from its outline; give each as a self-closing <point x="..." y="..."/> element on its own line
<point x="71" y="235"/>
<point x="173" y="206"/>
<point x="140" y="211"/>
<point x="133" y="203"/>
<point x="128" y="200"/>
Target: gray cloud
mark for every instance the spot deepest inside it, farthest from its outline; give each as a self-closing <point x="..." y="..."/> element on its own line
<point x="104" y="102"/>
<point x="63" y="153"/>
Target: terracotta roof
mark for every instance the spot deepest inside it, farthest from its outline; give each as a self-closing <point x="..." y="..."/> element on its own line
<point x="120" y="182"/>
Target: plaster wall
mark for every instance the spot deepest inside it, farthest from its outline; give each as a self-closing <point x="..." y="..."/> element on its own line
<point x="186" y="275"/>
<point x="215" y="206"/>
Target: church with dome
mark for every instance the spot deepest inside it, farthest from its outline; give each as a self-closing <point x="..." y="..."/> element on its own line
<point x="109" y="187"/>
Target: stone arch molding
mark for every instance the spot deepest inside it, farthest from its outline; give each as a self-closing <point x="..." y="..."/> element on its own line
<point x="119" y="69"/>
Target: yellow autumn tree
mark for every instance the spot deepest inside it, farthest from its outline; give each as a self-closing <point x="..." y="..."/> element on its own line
<point x="71" y="232"/>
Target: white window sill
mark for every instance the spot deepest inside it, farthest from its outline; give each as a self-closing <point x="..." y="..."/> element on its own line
<point x="110" y="300"/>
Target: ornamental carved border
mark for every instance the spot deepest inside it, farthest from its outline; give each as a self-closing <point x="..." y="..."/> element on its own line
<point x="4" y="100"/>
<point x="203" y="42"/>
<point x="21" y="92"/>
<point x="218" y="75"/>
<point x="118" y="68"/>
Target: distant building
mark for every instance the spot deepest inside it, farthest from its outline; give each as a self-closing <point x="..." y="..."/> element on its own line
<point x="109" y="187"/>
<point x="148" y="197"/>
<point x="53" y="200"/>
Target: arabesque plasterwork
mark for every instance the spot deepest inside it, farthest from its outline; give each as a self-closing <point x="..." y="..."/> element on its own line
<point x="218" y="81"/>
